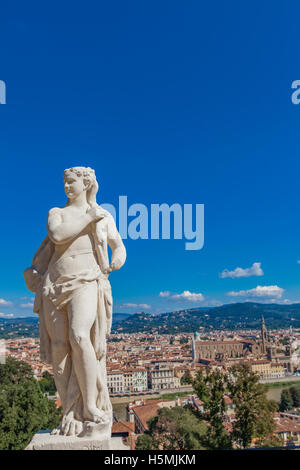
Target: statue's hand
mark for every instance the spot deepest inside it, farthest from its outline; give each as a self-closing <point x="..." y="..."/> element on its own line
<point x="95" y="213"/>
<point x="115" y="265"/>
<point x="107" y="270"/>
<point x="112" y="267"/>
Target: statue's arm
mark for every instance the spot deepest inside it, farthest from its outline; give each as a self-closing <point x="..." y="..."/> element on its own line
<point x="60" y="231"/>
<point x="114" y="240"/>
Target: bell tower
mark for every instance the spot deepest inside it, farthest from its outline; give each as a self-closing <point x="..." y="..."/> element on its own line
<point x="264" y="335"/>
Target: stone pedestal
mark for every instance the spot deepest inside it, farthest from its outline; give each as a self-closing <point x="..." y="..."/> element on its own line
<point x="46" y="441"/>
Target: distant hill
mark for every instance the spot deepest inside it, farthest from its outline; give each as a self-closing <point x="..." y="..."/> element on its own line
<point x="120" y="316"/>
<point x="19" y="327"/>
<point x="245" y="315"/>
<point x="29" y="326"/>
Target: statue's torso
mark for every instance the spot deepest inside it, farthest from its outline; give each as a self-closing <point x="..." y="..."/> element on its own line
<point x="77" y="262"/>
<point x="77" y="255"/>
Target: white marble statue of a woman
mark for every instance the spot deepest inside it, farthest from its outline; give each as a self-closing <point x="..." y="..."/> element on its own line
<point x="69" y="275"/>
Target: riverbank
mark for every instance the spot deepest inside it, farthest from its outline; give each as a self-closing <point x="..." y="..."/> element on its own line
<point x="281" y="384"/>
<point x="161" y="394"/>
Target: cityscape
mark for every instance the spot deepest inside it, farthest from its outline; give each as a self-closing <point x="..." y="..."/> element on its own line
<point x="147" y="372"/>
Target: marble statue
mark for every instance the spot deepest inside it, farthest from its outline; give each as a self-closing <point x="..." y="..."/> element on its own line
<point x="69" y="275"/>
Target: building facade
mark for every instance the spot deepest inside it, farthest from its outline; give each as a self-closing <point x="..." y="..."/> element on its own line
<point x="115" y="381"/>
<point x="161" y="378"/>
<point x="135" y="380"/>
<point x="268" y="370"/>
<point x="217" y="349"/>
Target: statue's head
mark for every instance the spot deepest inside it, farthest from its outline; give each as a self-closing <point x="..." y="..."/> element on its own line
<point x="79" y="179"/>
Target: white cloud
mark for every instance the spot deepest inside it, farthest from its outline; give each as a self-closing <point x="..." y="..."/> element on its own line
<point x="274" y="292"/>
<point x="254" y="270"/>
<point x="190" y="296"/>
<point x="5" y="302"/>
<point x="165" y="293"/>
<point x="6" y="315"/>
<point x="27" y="305"/>
<point x="130" y="305"/>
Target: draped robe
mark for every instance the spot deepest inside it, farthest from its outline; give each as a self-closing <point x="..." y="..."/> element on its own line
<point x="59" y="290"/>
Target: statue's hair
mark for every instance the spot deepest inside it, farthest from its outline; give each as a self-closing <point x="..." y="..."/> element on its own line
<point x="89" y="178"/>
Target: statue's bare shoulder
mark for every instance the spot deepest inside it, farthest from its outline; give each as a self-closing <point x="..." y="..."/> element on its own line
<point x="107" y="217"/>
<point x="55" y="215"/>
<point x="109" y="225"/>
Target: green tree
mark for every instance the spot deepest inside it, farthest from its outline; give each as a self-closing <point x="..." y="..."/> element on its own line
<point x="186" y="378"/>
<point x="183" y="340"/>
<point x="24" y="409"/>
<point x="14" y="371"/>
<point x="47" y="383"/>
<point x="254" y="412"/>
<point x="145" y="442"/>
<point x="210" y="389"/>
<point x="295" y="394"/>
<point x="286" y="400"/>
<point x="175" y="429"/>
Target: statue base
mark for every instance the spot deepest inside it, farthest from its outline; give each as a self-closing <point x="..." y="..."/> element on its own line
<point x="46" y="441"/>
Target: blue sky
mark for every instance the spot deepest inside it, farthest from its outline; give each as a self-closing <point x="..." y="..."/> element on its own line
<point x="169" y="102"/>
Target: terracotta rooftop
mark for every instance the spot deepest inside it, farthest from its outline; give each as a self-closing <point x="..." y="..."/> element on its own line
<point x="145" y="412"/>
<point x="286" y="425"/>
<point x="123" y="427"/>
<point x="208" y="343"/>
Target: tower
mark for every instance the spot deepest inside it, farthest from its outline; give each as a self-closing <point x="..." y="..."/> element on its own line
<point x="264" y="335"/>
<point x="194" y="352"/>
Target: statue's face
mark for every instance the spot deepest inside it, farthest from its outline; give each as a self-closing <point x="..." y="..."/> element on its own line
<point x="73" y="185"/>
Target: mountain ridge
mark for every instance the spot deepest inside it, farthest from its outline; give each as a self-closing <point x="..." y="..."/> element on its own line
<point x="242" y="315"/>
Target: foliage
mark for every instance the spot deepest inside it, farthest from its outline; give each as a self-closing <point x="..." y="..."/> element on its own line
<point x="171" y="396"/>
<point x="24" y="409"/>
<point x="210" y="389"/>
<point x="14" y="372"/>
<point x="177" y="429"/>
<point x="183" y="340"/>
<point x="145" y="442"/>
<point x="47" y="383"/>
<point x="290" y="398"/>
<point x="295" y="394"/>
<point x="183" y="428"/>
<point x="186" y="379"/>
<point x="254" y="412"/>
<point x="286" y="400"/>
<point x="281" y="384"/>
<point x="285" y="341"/>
